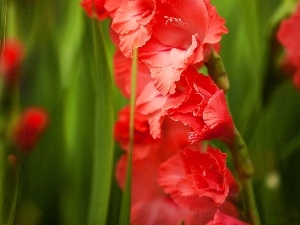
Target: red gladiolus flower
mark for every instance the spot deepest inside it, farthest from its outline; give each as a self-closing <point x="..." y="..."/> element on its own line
<point x="199" y="103"/>
<point x="144" y="144"/>
<point x="192" y="31"/>
<point x="133" y="22"/>
<point x="150" y="205"/>
<point x="29" y="128"/>
<point x="288" y="35"/>
<point x="196" y="179"/>
<point x="222" y="219"/>
<point x="122" y="74"/>
<point x="10" y="60"/>
<point x="149" y="101"/>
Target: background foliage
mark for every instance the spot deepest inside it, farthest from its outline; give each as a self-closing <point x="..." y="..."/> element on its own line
<point x="68" y="179"/>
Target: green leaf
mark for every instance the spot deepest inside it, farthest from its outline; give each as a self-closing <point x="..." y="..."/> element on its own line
<point x="104" y="143"/>
<point x="3" y="20"/>
<point x="126" y="201"/>
<point x="79" y="118"/>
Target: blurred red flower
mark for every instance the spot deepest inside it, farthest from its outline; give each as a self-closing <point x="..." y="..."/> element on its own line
<point x="29" y="128"/>
<point x="11" y="57"/>
<point x="288" y="35"/>
<point x="95" y="8"/>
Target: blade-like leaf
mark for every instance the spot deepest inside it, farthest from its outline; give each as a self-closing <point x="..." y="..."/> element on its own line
<point x="3" y="18"/>
<point x="104" y="144"/>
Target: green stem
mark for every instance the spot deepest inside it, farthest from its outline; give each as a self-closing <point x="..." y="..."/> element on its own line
<point x="244" y="167"/>
<point x="241" y="156"/>
<point x="237" y="146"/>
<point x="250" y="202"/>
<point x="217" y="71"/>
<point x="126" y="201"/>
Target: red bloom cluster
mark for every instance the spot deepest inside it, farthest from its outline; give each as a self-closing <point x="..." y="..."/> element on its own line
<point x="10" y="59"/>
<point x="174" y="178"/>
<point x="29" y="127"/>
<point x="196" y="179"/>
<point x="288" y="35"/>
<point x="149" y="24"/>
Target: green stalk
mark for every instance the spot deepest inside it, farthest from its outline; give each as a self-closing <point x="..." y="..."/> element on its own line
<point x="217" y="71"/>
<point x="244" y="168"/>
<point x="104" y="144"/>
<point x="237" y="145"/>
<point x="126" y="201"/>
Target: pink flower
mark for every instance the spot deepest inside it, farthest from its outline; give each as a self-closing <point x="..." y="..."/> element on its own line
<point x="133" y="22"/>
<point x="150" y="204"/>
<point x="149" y="101"/>
<point x="29" y="128"/>
<point x="10" y="61"/>
<point x="122" y="74"/>
<point x="199" y="103"/>
<point x="194" y="26"/>
<point x="222" y="219"/>
<point x="196" y="179"/>
<point x="288" y="35"/>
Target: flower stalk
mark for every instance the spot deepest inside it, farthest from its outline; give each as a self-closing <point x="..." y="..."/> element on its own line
<point x="244" y="168"/>
<point x="217" y="71"/>
<point x="126" y="201"/>
<point x="237" y="145"/>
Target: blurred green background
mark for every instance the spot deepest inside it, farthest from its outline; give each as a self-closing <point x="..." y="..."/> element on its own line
<point x="68" y="179"/>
